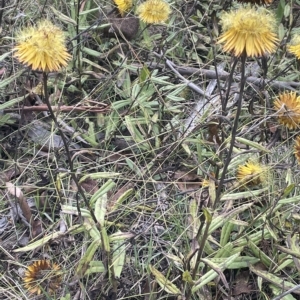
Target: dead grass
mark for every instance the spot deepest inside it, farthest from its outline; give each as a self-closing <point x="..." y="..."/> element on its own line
<point x="141" y="211"/>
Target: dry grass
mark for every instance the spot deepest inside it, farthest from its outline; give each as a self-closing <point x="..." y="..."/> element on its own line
<point x="140" y="204"/>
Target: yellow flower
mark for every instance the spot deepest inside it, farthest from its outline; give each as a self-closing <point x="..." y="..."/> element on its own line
<point x="154" y="11"/>
<point x="42" y="47"/>
<point x="42" y="276"/>
<point x="123" y="5"/>
<point x="288" y="109"/>
<point x="252" y="173"/>
<point x="248" y="30"/>
<point x="297" y="149"/>
<point x="295" y="46"/>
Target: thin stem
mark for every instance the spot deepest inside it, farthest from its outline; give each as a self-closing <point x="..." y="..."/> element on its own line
<point x="70" y="162"/>
<point x="224" y="103"/>
<point x="233" y="132"/>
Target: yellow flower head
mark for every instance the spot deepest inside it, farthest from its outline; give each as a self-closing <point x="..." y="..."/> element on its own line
<point x="297" y="149"/>
<point x="42" y="276"/>
<point x="288" y="109"/>
<point x="252" y="173"/>
<point x="123" y="6"/>
<point x="42" y="47"/>
<point x="295" y="46"/>
<point x="248" y="30"/>
<point x="154" y="11"/>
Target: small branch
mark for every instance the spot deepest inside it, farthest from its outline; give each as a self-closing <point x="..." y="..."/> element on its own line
<point x="63" y="108"/>
<point x="223" y="75"/>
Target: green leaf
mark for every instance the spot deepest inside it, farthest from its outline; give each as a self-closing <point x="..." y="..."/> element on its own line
<point x="144" y="74"/>
<point x="99" y="175"/>
<point x="271" y="278"/>
<point x="212" y="274"/>
<point x="39" y="243"/>
<point x="6" y="119"/>
<point x="118" y="259"/>
<point x="225" y="233"/>
<point x="84" y="263"/>
<point x="164" y="283"/>
<point x="63" y="17"/>
<point x="7" y="81"/>
<point x="100" y="209"/>
<point x="288" y="190"/>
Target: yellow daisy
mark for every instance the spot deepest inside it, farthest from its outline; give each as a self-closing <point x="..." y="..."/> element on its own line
<point x="154" y="11"/>
<point x="42" y="276"/>
<point x="288" y="109"/>
<point x="297" y="149"/>
<point x="42" y="47"/>
<point x="295" y="46"/>
<point x="252" y="173"/>
<point x="123" y="6"/>
<point x="248" y="30"/>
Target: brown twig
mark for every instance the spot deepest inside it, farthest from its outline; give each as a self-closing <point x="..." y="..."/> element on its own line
<point x="223" y="75"/>
<point x="63" y="108"/>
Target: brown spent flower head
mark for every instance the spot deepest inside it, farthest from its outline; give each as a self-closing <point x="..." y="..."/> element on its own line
<point x="252" y="173"/>
<point x="248" y="31"/>
<point x="297" y="149"/>
<point x="258" y="2"/>
<point x="294" y="47"/>
<point x="154" y="11"/>
<point x="123" y="6"/>
<point x="42" y="276"/>
<point x="42" y="47"/>
<point x="288" y="109"/>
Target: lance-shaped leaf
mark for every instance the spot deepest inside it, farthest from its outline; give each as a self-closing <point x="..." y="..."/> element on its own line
<point x="164" y="283"/>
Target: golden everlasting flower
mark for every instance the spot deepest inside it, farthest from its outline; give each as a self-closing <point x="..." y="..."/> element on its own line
<point x="252" y="173"/>
<point x="288" y="109"/>
<point x="42" y="47"/>
<point x="248" y="30"/>
<point x="297" y="149"/>
<point x="42" y="276"/>
<point x="123" y="6"/>
<point x="295" y="46"/>
<point x="154" y="11"/>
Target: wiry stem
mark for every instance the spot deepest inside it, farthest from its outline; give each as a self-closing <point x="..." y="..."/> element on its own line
<point x="70" y="162"/>
<point x="233" y="131"/>
<point x="107" y="257"/>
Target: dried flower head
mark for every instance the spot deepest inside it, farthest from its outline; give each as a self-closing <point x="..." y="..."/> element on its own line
<point x="251" y="173"/>
<point x="42" y="276"/>
<point x="123" y="6"/>
<point x="297" y="149"/>
<point x="288" y="109"/>
<point x="154" y="11"/>
<point x="295" y="46"/>
<point x="258" y="2"/>
<point x="42" y="47"/>
<point x="248" y="30"/>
